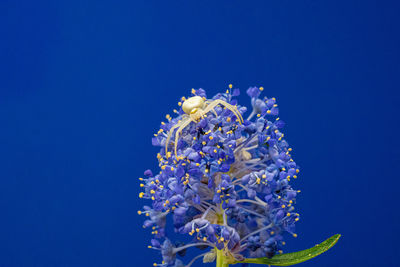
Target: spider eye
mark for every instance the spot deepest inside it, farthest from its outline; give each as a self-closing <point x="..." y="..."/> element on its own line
<point x="192" y="103"/>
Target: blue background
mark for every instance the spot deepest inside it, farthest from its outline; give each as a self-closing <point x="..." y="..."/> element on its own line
<point x="85" y="84"/>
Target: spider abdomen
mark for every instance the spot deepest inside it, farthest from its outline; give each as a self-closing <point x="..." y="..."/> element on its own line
<point x="195" y="102"/>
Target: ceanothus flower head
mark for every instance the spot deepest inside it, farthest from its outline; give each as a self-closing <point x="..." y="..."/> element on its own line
<point x="227" y="186"/>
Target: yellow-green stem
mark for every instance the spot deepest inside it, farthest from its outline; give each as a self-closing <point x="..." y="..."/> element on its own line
<point x="221" y="260"/>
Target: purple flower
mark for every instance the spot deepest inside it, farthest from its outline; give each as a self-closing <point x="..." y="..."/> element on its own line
<point x="229" y="187"/>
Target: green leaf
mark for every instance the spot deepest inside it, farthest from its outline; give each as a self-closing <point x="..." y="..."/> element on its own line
<point x="295" y="257"/>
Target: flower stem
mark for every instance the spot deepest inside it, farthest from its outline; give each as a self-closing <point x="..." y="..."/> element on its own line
<point x="221" y="261"/>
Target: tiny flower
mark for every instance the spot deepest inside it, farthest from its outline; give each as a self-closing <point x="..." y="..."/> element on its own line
<point x="225" y="183"/>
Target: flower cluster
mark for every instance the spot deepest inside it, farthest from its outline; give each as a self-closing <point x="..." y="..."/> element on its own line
<point x="229" y="187"/>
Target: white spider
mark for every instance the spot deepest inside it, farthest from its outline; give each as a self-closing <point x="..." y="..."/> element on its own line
<point x="195" y="108"/>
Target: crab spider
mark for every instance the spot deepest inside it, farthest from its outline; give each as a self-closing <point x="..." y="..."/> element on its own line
<point x="195" y="108"/>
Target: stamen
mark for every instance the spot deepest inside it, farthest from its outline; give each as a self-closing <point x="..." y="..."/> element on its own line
<point x="195" y="258"/>
<point x="176" y="250"/>
<point x="253" y="202"/>
<point x="257" y="231"/>
<point x="252" y="212"/>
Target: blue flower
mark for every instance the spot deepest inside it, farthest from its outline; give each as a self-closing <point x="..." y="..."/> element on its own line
<point x="227" y="187"/>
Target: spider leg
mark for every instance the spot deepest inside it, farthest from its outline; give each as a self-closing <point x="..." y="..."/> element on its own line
<point x="215" y="113"/>
<point x="212" y="110"/>
<point x="227" y="105"/>
<point x="178" y="132"/>
<point x="231" y="108"/>
<point x="170" y="133"/>
<point x="235" y="110"/>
